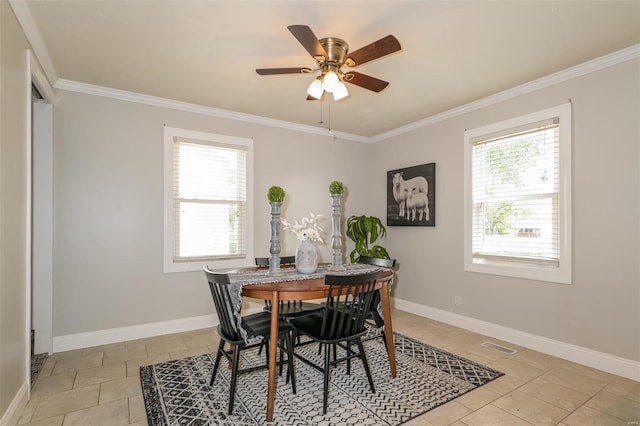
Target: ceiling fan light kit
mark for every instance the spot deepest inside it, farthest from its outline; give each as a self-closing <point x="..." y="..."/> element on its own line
<point x="331" y="54"/>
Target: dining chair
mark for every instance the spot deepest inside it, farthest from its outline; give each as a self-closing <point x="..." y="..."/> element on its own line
<point x="244" y="332"/>
<point x="340" y="324"/>
<point x="375" y="310"/>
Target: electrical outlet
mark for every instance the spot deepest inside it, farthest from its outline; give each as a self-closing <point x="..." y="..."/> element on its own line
<point x="457" y="300"/>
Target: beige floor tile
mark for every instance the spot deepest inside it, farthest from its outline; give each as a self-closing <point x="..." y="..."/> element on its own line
<point x="59" y="356"/>
<point x="123" y="354"/>
<point x="503" y="385"/>
<point x="53" y="384"/>
<point x="136" y="409"/>
<point x="28" y="410"/>
<point x="79" y="362"/>
<point x="616" y="406"/>
<point x="65" y="402"/>
<point x="517" y="369"/>
<point x="601" y="376"/>
<point x="533" y="410"/>
<point x="626" y="388"/>
<point x="573" y="379"/>
<point x="490" y="415"/>
<point x="453" y="341"/>
<point x="473" y="356"/>
<point x="539" y="360"/>
<point x="96" y="375"/>
<point x="165" y="346"/>
<point x="585" y="416"/>
<point x="553" y="393"/>
<point x="121" y="388"/>
<point x="201" y="338"/>
<point x="446" y="414"/>
<point x="133" y="366"/>
<point x="536" y="387"/>
<point x="477" y="398"/>
<point x="49" y="421"/>
<point x="136" y="344"/>
<point x="103" y="348"/>
<point x="114" y="413"/>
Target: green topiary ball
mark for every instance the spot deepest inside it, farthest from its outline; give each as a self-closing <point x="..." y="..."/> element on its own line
<point x="336" y="188"/>
<point x="275" y="194"/>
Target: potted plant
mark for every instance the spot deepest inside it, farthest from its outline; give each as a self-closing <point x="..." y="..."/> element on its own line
<point x="364" y="231"/>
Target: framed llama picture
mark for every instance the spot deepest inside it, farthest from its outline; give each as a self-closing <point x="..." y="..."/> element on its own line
<point x="411" y="196"/>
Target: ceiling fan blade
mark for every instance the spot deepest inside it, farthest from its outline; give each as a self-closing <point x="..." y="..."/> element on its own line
<point x="271" y="71"/>
<point x="375" y="50"/>
<point x="365" y="81"/>
<point x="308" y="40"/>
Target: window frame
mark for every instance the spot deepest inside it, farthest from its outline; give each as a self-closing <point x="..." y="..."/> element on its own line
<point x="170" y="136"/>
<point x="558" y="274"/>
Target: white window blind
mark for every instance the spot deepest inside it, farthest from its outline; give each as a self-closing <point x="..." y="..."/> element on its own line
<point x="207" y="200"/>
<point x="515" y="179"/>
<point x="518" y="197"/>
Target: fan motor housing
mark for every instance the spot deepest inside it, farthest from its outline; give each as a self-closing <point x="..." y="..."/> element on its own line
<point x="336" y="49"/>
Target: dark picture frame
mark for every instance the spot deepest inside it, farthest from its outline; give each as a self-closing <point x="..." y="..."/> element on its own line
<point x="411" y="196"/>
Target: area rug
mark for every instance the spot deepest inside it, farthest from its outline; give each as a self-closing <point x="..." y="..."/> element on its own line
<point x="178" y="392"/>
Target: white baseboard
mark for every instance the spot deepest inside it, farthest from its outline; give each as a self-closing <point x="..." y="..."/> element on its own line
<point x="599" y="360"/>
<point x="14" y="410"/>
<point x="114" y="335"/>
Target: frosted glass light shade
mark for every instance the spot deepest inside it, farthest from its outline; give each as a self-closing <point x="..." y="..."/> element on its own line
<point x="330" y="81"/>
<point x="315" y="90"/>
<point x="340" y="91"/>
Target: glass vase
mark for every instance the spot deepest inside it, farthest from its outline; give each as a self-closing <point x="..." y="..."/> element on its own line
<point x="306" y="257"/>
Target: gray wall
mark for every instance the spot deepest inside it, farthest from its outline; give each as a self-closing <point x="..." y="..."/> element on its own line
<point x="108" y="206"/>
<point x="13" y="125"/>
<point x="108" y="213"/>
<point x="601" y="309"/>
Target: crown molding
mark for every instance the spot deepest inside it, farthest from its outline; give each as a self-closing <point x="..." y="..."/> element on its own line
<point x="588" y="67"/>
<point x="594" y="65"/>
<point x="123" y="95"/>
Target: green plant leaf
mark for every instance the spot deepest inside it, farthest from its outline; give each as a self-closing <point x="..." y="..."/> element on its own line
<point x="363" y="231"/>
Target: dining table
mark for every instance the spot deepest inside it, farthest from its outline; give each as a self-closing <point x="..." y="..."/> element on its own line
<point x="288" y="284"/>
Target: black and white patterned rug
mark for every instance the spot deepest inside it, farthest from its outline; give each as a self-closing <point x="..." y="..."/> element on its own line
<point x="178" y="392"/>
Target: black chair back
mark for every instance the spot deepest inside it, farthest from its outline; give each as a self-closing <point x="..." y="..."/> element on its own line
<point x="227" y="314"/>
<point x="348" y="303"/>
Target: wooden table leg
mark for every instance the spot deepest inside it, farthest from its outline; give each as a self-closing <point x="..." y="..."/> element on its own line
<point x="273" y="349"/>
<point x="388" y="328"/>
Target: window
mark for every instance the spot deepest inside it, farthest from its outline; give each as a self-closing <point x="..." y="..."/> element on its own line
<point x="517" y="197"/>
<point x="208" y="200"/>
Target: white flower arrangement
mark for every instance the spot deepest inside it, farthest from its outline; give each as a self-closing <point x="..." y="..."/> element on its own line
<point x="307" y="229"/>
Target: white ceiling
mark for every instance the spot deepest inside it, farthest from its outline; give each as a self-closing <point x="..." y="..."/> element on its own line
<point x="206" y="52"/>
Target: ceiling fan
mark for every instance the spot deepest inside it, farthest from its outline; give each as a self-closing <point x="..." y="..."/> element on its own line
<point x="331" y="54"/>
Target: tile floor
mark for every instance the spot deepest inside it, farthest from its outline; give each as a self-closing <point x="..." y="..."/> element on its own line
<point x="101" y="386"/>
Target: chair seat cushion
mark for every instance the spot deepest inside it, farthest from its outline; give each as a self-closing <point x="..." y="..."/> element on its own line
<point x="259" y="324"/>
<point x="311" y="325"/>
